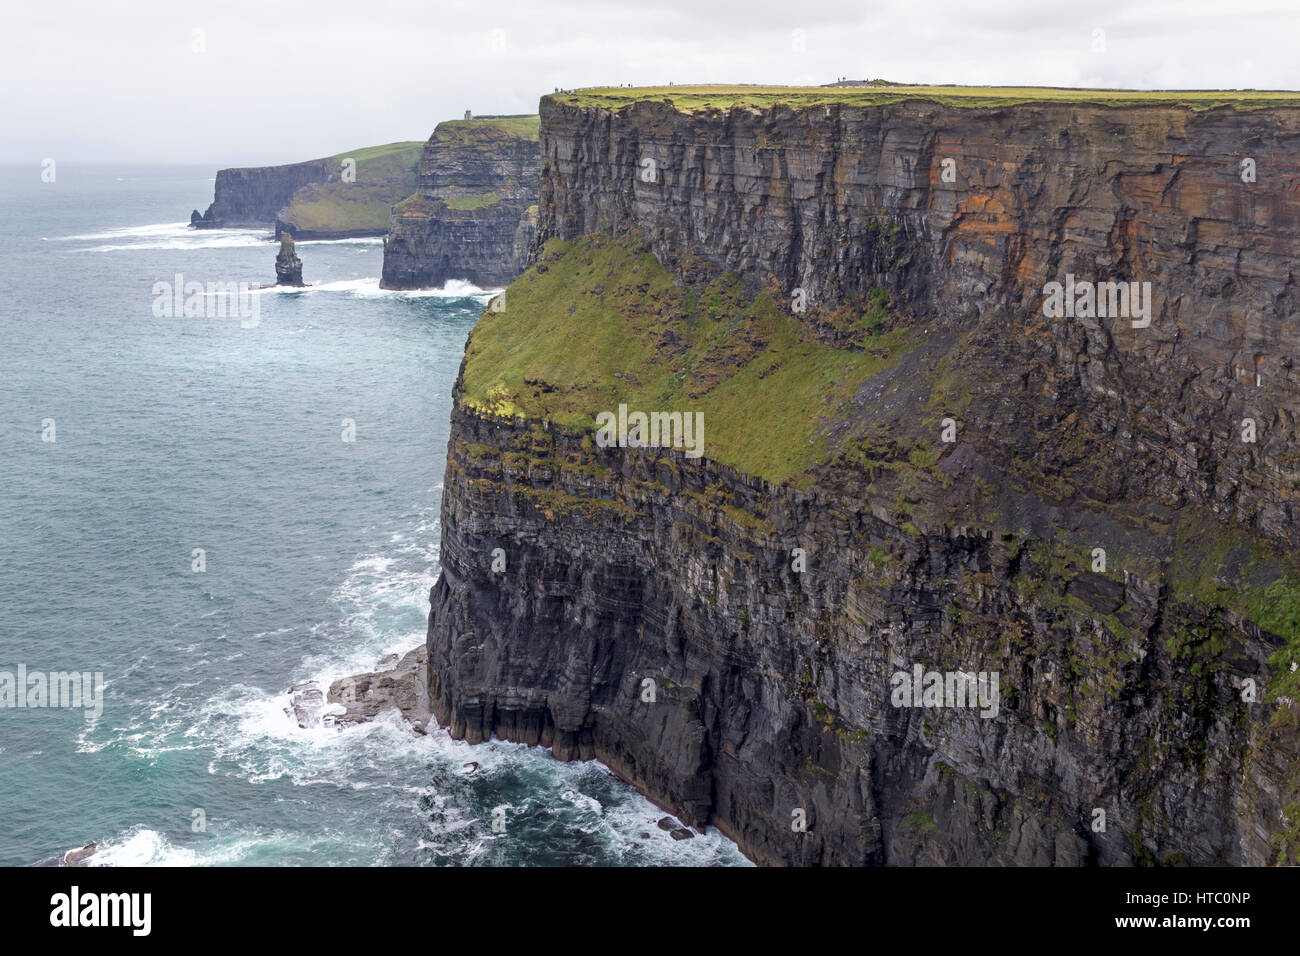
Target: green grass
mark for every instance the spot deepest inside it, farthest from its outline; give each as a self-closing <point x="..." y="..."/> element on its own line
<point x="695" y="98"/>
<point x="604" y="324"/>
<point x="1220" y="565"/>
<point x="471" y="201"/>
<point x="516" y="127"/>
<point x="392" y="160"/>
<point x="343" y="207"/>
<point x="384" y="175"/>
<point x="920" y="822"/>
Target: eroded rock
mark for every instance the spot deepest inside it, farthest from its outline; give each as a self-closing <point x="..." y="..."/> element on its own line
<point x="288" y="267"/>
<point x="397" y="685"/>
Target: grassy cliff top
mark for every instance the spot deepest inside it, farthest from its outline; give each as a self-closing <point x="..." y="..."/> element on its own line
<point x="515" y="127"/>
<point x="390" y="161"/>
<point x="395" y="162"/>
<point x="384" y="175"/>
<point x="693" y="98"/>
<point x="394" y="152"/>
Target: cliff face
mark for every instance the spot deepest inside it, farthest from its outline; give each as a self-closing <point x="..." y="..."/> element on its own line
<point x="840" y="201"/>
<point x="345" y="195"/>
<point x="772" y="589"/>
<point x="474" y="213"/>
<point x="252" y="196"/>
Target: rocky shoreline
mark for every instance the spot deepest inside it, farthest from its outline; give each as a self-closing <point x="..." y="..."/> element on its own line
<point x="398" y="684"/>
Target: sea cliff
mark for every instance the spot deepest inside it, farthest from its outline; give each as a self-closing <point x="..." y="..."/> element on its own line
<point x="340" y="196"/>
<point x="911" y="459"/>
<point x="474" y="213"/>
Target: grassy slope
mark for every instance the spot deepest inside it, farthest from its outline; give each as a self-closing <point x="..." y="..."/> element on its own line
<point x="693" y="98"/>
<point x="606" y="325"/>
<point x="472" y="200"/>
<point x="343" y="207"/>
<point x="385" y="175"/>
<point x="392" y="160"/>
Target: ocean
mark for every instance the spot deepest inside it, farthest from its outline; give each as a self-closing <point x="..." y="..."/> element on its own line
<point x="181" y="512"/>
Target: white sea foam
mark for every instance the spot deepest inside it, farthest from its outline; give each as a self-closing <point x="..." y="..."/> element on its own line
<point x="344" y="241"/>
<point x="132" y="232"/>
<point x="141" y="846"/>
<point x="181" y="236"/>
<point x="369" y="287"/>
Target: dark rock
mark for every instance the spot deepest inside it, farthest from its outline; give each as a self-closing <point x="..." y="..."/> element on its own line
<point x="252" y="196"/>
<point x="288" y="267"/>
<point x="79" y="857"/>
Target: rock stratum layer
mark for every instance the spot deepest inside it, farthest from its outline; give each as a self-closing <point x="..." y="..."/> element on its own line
<point x="767" y="593"/>
<point x="474" y="214"/>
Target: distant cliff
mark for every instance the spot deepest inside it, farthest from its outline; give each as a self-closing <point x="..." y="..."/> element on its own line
<point x="350" y="194"/>
<point x="474" y="213"/>
<point x="911" y="461"/>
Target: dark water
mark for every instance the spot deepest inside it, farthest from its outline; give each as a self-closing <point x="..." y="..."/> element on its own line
<point x="226" y="434"/>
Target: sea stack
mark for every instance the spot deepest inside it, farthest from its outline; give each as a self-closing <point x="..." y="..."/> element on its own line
<point x="288" y="267"/>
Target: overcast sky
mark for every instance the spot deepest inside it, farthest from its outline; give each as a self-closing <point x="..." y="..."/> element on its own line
<point x="252" y="82"/>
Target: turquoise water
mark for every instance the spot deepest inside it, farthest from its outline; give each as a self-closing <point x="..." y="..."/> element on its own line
<point x="174" y="434"/>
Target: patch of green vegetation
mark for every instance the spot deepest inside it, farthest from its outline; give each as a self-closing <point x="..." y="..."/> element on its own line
<point x="392" y="160"/>
<point x="950" y="393"/>
<point x="343" y="207"/>
<point x="877" y="313"/>
<point x="486" y="128"/>
<point x="1286" y="838"/>
<point x="471" y="201"/>
<point x="385" y="175"/>
<point x="704" y="98"/>
<point x="603" y="324"/>
<point x="1221" y="565"/>
<point x="554" y="503"/>
<point x="920" y="822"/>
<point x="748" y="520"/>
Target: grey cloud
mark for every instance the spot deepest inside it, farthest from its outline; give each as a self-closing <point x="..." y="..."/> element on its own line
<point x="102" y="81"/>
